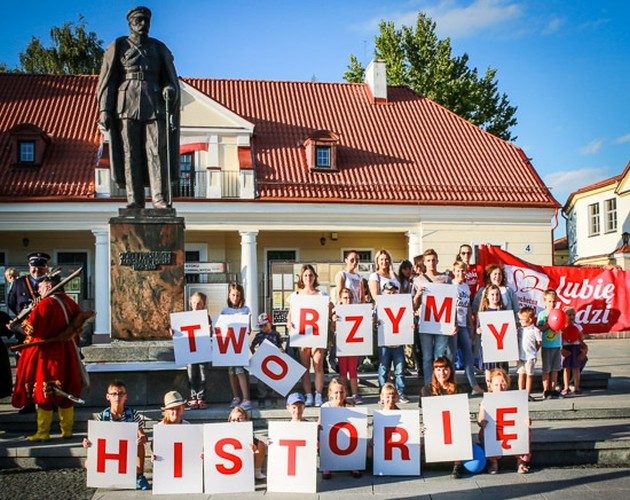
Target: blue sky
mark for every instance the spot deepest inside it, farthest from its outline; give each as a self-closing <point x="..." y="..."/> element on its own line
<point x="565" y="64"/>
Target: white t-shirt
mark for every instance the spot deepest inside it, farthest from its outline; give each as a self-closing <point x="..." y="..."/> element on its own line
<point x="527" y="342"/>
<point x="234" y="310"/>
<point x="295" y="294"/>
<point x="382" y="281"/>
<point x="351" y="281"/>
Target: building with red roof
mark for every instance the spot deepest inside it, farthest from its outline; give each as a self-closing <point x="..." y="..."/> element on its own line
<point x="272" y="174"/>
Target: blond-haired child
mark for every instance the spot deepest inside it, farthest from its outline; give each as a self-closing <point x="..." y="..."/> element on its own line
<point x="259" y="448"/>
<point x="530" y="339"/>
<point x="551" y="345"/>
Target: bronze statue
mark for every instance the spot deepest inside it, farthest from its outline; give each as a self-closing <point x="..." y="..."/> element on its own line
<point x="139" y="96"/>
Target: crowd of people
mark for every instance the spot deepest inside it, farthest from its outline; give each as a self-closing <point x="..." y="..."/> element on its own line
<point x="49" y="374"/>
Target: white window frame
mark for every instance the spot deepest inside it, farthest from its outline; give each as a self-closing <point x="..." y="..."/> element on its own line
<point x="594" y="223"/>
<point x="610" y="215"/>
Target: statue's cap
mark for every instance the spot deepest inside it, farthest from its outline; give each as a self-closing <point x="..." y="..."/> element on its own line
<point x="139" y="11"/>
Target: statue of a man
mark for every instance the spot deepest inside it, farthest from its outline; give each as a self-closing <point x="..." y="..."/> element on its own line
<point x="137" y="85"/>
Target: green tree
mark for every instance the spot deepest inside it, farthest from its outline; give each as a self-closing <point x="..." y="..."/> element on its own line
<point x="74" y="51"/>
<point x="418" y="59"/>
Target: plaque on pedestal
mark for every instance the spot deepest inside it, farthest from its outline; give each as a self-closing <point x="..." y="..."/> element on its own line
<point x="147" y="272"/>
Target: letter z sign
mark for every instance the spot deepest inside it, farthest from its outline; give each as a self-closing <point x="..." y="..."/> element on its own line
<point x="354" y="329"/>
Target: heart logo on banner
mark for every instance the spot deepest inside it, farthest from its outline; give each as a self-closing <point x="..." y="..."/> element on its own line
<point x="525" y="282"/>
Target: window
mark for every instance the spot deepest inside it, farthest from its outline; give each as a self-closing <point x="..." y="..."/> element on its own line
<point x="322" y="154"/>
<point x="610" y="215"/>
<point x="26" y="152"/>
<point x="186" y="175"/>
<point x="593" y="219"/>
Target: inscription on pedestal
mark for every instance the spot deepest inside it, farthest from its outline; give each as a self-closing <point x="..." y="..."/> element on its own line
<point x="147" y="273"/>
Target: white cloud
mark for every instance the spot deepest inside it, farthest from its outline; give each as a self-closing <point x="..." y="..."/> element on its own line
<point x="564" y="182"/>
<point x="592" y="147"/>
<point x="453" y="19"/>
<point x="623" y="139"/>
<point x="553" y="25"/>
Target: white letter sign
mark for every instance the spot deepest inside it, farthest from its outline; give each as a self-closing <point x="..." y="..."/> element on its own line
<point x="447" y="428"/>
<point x="438" y="309"/>
<point x="228" y="460"/>
<point x="309" y="321"/>
<point x="507" y="431"/>
<point x="292" y="457"/>
<point x="354" y="329"/>
<point x="191" y="337"/>
<point x="111" y="459"/>
<point x="396" y="443"/>
<point x="343" y="439"/>
<point x="230" y="344"/>
<point x="178" y="466"/>
<point x="275" y="368"/>
<point x="499" y="338"/>
<point x="395" y="319"/>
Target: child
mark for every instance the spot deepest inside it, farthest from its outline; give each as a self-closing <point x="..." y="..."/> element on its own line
<point x="571" y="347"/>
<point x="197" y="371"/>
<point x="464" y="336"/>
<point x="236" y="374"/>
<point x="389" y="397"/>
<point x="259" y="448"/>
<point x="491" y="300"/>
<point x="348" y="364"/>
<point x="442" y="384"/>
<point x="173" y="409"/>
<point x="395" y="354"/>
<point x="528" y="347"/>
<point x="119" y="412"/>
<point x="499" y="381"/>
<point x="295" y="406"/>
<point x="267" y="332"/>
<point x="551" y="345"/>
<point x="337" y="399"/>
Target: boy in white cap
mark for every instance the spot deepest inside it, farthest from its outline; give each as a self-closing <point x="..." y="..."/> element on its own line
<point x="267" y="332"/>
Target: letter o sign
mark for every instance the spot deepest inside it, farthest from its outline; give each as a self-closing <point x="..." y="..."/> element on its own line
<point x="278" y="363"/>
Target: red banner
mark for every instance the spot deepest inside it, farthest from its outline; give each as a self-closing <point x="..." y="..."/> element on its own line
<point x="600" y="296"/>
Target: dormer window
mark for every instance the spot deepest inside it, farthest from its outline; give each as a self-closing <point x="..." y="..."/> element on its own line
<point x="322" y="156"/>
<point x="321" y="150"/>
<point x="28" y="144"/>
<point x="26" y="152"/>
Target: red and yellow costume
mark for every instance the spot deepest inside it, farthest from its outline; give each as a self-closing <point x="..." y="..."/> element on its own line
<point x="54" y="363"/>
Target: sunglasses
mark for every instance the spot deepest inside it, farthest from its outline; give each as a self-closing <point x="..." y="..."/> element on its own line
<point x="115" y="394"/>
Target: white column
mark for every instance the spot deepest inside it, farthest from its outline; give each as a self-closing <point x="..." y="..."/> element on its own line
<point x="249" y="270"/>
<point x="101" y="282"/>
<point x="414" y="244"/>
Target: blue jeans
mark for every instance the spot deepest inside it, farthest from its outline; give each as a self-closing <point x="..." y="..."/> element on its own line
<point x="433" y="346"/>
<point x="465" y="344"/>
<point x="385" y="357"/>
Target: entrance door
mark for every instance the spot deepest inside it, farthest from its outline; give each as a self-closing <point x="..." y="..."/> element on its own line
<point x="69" y="261"/>
<point x="279" y="283"/>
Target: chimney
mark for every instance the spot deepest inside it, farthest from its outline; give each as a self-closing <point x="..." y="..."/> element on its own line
<point x="376" y="78"/>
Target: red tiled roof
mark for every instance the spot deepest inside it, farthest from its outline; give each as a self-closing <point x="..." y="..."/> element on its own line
<point x="64" y="107"/>
<point x="408" y="150"/>
<point x="597" y="185"/>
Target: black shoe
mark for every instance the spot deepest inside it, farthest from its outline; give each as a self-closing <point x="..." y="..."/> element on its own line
<point x="546" y="394"/>
<point x="27" y="409"/>
<point x="356" y="474"/>
<point x="326" y="475"/>
<point x="531" y="398"/>
<point x="457" y="471"/>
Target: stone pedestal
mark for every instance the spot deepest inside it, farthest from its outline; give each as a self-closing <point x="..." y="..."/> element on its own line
<point x="147" y="272"/>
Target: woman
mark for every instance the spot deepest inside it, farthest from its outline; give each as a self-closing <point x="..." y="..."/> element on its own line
<point x="383" y="274"/>
<point x="307" y="285"/>
<point x="494" y="274"/>
<point x="350" y="279"/>
<point x="405" y="276"/>
<point x="442" y="384"/>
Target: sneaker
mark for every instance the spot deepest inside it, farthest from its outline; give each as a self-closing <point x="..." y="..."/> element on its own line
<point x="457" y="471"/>
<point x="235" y="402"/>
<point x="258" y="474"/>
<point x="564" y="392"/>
<point x="356" y="474"/>
<point x="546" y="394"/>
<point x="523" y="467"/>
<point x="201" y="404"/>
<point x="309" y="400"/>
<point x="142" y="483"/>
<point x="318" y="399"/>
<point x="357" y="399"/>
<point x="246" y="405"/>
<point x="555" y="394"/>
<point x="192" y="404"/>
<point x="531" y="398"/>
<point x="403" y="399"/>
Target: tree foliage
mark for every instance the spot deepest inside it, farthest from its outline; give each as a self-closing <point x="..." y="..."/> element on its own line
<point x="74" y="51"/>
<point x="418" y="59"/>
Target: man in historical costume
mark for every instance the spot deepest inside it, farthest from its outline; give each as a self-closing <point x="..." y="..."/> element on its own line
<point x="23" y="292"/>
<point x="50" y="360"/>
<point x="137" y="78"/>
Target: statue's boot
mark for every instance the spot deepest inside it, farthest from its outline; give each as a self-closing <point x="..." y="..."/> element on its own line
<point x="44" y="421"/>
<point x="66" y="421"/>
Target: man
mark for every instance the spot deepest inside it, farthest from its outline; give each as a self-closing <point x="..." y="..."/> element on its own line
<point x="23" y="290"/>
<point x="137" y="77"/>
<point x="51" y="361"/>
